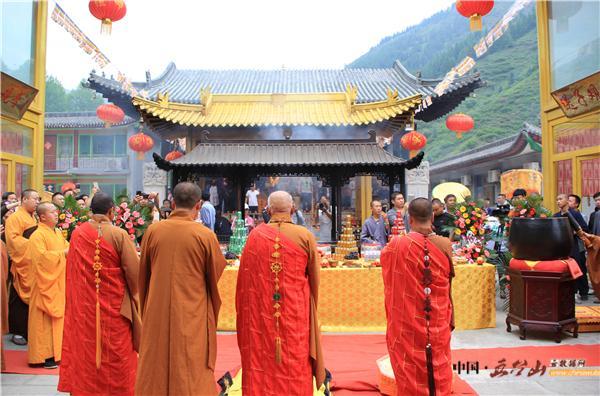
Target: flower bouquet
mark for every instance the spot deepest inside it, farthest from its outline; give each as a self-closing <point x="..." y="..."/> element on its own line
<point x="472" y="249"/>
<point x="529" y="207"/>
<point x="470" y="218"/>
<point x="70" y="216"/>
<point x="132" y="218"/>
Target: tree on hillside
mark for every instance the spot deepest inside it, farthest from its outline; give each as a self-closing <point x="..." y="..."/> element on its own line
<point x="56" y="95"/>
<point x="58" y="99"/>
<point x="83" y="99"/>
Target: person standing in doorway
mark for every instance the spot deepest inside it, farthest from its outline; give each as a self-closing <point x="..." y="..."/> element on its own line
<point x="252" y="198"/>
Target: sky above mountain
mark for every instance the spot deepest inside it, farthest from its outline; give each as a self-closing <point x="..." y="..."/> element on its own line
<point x="231" y="34"/>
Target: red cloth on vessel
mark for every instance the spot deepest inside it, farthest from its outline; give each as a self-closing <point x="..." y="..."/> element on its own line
<point x="568" y="264"/>
<point x="261" y="375"/>
<point x="402" y="265"/>
<point x="78" y="373"/>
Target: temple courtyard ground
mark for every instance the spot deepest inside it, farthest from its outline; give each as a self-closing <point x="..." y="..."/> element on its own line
<point x="475" y="345"/>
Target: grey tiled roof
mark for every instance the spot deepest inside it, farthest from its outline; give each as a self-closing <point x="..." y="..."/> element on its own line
<point x="83" y="119"/>
<point x="504" y="147"/>
<point x="291" y="154"/>
<point x="184" y="86"/>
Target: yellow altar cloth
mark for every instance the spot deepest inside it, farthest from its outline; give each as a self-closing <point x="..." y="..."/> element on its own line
<point x="351" y="299"/>
<point x="474" y="296"/>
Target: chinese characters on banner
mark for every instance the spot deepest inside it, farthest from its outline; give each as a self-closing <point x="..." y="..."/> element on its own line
<point x="579" y="97"/>
<point x="500" y="28"/>
<point x="61" y="18"/>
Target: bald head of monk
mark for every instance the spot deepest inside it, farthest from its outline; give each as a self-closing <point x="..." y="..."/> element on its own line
<point x="187" y="196"/>
<point x="47" y="213"/>
<point x="280" y="202"/>
<point x="420" y="214"/>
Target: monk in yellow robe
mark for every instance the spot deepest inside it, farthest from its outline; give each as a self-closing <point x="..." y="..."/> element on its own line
<point x="20" y="290"/>
<point x="48" y="249"/>
<point x="276" y="302"/>
<point x="180" y="266"/>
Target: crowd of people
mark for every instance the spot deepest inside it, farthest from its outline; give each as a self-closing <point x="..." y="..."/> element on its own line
<point x="122" y="323"/>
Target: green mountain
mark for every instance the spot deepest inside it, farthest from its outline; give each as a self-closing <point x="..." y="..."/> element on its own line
<point x="509" y="69"/>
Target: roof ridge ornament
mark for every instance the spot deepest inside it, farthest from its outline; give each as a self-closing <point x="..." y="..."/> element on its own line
<point x="206" y="99"/>
<point x="392" y="96"/>
<point x="163" y="99"/>
<point x="351" y="96"/>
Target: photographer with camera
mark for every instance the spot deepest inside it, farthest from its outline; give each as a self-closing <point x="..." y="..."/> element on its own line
<point x="323" y="219"/>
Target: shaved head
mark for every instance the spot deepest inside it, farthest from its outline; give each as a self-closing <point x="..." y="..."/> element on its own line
<point x="420" y="210"/>
<point x="44" y="208"/>
<point x="280" y="202"/>
<point x="186" y="195"/>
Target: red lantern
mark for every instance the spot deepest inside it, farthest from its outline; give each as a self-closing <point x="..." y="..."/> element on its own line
<point x="413" y="141"/>
<point x="141" y="143"/>
<point x="110" y="114"/>
<point x="173" y="155"/>
<point x="459" y="123"/>
<point x="474" y="10"/>
<point x="108" y="11"/>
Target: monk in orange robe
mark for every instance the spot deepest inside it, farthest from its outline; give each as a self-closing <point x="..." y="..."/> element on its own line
<point x="16" y="225"/>
<point x="48" y="249"/>
<point x="180" y="266"/>
<point x="102" y="322"/>
<point x="276" y="302"/>
<point x="3" y="300"/>
<point x="417" y="272"/>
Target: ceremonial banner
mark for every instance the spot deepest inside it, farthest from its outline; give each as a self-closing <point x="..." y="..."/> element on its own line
<point x="580" y="97"/>
<point x="61" y="18"/>
<point x="465" y="65"/>
<point x="500" y="28"/>
<point x="16" y="96"/>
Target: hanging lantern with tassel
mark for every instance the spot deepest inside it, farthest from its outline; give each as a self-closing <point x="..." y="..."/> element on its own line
<point x="108" y="11"/>
<point x="413" y="142"/>
<point x="474" y="10"/>
<point x="140" y="143"/>
<point x="460" y="123"/>
<point x="110" y="114"/>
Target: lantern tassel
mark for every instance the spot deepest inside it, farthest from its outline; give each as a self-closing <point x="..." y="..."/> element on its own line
<point x="458" y="135"/>
<point x="106" y="27"/>
<point x="475" y="22"/>
<point x="412" y="153"/>
<point x="140" y="155"/>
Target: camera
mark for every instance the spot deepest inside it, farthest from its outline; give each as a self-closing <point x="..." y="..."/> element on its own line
<point x="321" y="206"/>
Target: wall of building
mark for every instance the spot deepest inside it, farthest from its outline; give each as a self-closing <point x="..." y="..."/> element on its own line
<point x="21" y="148"/>
<point x="571" y="146"/>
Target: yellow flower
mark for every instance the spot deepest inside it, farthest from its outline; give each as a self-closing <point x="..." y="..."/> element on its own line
<point x="468" y="221"/>
<point x="473" y="229"/>
<point x="466" y="215"/>
<point x="463" y="209"/>
<point x="457" y="231"/>
<point x="481" y="231"/>
<point x="61" y="216"/>
<point x="65" y="233"/>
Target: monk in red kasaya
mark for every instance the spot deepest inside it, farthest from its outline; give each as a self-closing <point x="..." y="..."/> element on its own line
<point x="102" y="322"/>
<point x="417" y="272"/>
<point x="276" y="303"/>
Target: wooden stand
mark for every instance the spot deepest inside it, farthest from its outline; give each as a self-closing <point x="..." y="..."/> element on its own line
<point x="542" y="300"/>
